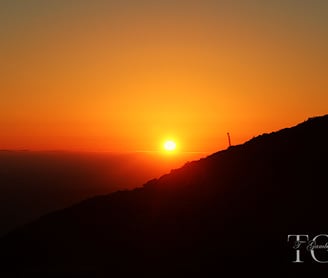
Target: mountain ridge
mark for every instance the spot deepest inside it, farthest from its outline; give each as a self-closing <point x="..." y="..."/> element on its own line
<point x="229" y="211"/>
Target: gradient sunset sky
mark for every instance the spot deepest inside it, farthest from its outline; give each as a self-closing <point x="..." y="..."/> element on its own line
<point x="125" y="75"/>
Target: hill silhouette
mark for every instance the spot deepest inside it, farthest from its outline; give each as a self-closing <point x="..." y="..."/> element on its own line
<point x="228" y="213"/>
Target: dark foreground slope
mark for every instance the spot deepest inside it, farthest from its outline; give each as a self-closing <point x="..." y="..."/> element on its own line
<point x="227" y="213"/>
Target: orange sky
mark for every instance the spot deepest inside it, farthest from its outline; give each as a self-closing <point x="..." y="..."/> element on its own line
<point x="126" y="75"/>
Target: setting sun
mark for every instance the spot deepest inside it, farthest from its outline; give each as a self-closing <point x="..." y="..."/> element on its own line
<point x="170" y="145"/>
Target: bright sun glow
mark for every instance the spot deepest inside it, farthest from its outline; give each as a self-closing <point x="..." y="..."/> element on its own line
<point x="170" y="145"/>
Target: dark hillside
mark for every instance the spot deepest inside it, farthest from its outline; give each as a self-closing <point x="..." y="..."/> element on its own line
<point x="223" y="214"/>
